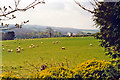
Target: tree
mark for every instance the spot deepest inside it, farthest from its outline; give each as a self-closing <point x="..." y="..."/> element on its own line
<point x="50" y="32"/>
<point x="59" y="34"/>
<point x="106" y="16"/>
<point x="6" y="13"/>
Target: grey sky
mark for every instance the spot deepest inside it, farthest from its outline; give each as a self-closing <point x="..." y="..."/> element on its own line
<point x="57" y="13"/>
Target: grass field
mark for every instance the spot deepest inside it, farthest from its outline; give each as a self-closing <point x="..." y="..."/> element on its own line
<point x="77" y="51"/>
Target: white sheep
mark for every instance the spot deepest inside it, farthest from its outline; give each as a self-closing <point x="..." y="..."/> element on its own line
<point x="91" y="44"/>
<point x="33" y="46"/>
<point x="18" y="51"/>
<point x="11" y="50"/>
<point x="19" y="47"/>
<point x="3" y="49"/>
<point x="30" y="47"/>
<point x="63" y="48"/>
<point x="22" y="49"/>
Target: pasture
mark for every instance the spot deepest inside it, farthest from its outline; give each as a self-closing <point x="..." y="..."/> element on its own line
<point x="46" y="50"/>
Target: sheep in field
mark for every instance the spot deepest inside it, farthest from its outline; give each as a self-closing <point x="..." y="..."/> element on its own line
<point x="17" y="48"/>
<point x="9" y="50"/>
<point x="30" y="47"/>
<point x="91" y="44"/>
<point x="18" y="51"/>
<point x="37" y="45"/>
<point x="3" y="49"/>
<point x="22" y="49"/>
<point x="33" y="46"/>
<point x="63" y="48"/>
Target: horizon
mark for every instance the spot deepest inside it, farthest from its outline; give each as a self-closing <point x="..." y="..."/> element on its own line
<point x="50" y="26"/>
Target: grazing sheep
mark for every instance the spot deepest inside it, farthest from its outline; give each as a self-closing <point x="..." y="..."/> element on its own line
<point x="19" y="47"/>
<point x="37" y="45"/>
<point x="33" y="46"/>
<point x="18" y="51"/>
<point x="63" y="48"/>
<point x="30" y="47"/>
<point x="41" y="42"/>
<point x="3" y="49"/>
<point x="9" y="50"/>
<point x="43" y="67"/>
<point x="22" y="49"/>
<point x="91" y="44"/>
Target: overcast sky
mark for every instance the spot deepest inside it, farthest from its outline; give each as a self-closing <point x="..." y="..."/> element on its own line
<point x="56" y="13"/>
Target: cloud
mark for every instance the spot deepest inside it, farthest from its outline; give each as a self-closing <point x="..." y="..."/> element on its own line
<point x="63" y="13"/>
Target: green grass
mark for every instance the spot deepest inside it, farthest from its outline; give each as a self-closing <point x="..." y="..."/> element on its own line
<point x="77" y="51"/>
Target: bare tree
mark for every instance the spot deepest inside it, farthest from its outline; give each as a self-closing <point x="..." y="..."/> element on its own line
<point x="6" y="13"/>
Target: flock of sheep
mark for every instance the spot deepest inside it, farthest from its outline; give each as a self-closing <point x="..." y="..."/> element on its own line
<point x="19" y="48"/>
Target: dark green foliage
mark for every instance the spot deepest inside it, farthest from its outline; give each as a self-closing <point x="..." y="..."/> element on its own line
<point x="107" y="18"/>
<point x="110" y="73"/>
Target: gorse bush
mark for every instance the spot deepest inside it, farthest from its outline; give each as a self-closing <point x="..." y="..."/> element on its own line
<point x="92" y="69"/>
<point x="9" y="75"/>
<point x="57" y="72"/>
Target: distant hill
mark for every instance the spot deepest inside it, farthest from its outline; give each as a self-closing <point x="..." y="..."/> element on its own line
<point x="39" y="28"/>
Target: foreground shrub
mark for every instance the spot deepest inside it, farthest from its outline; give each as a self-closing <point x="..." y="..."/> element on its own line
<point x="9" y="75"/>
<point x="95" y="69"/>
<point x="57" y="72"/>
